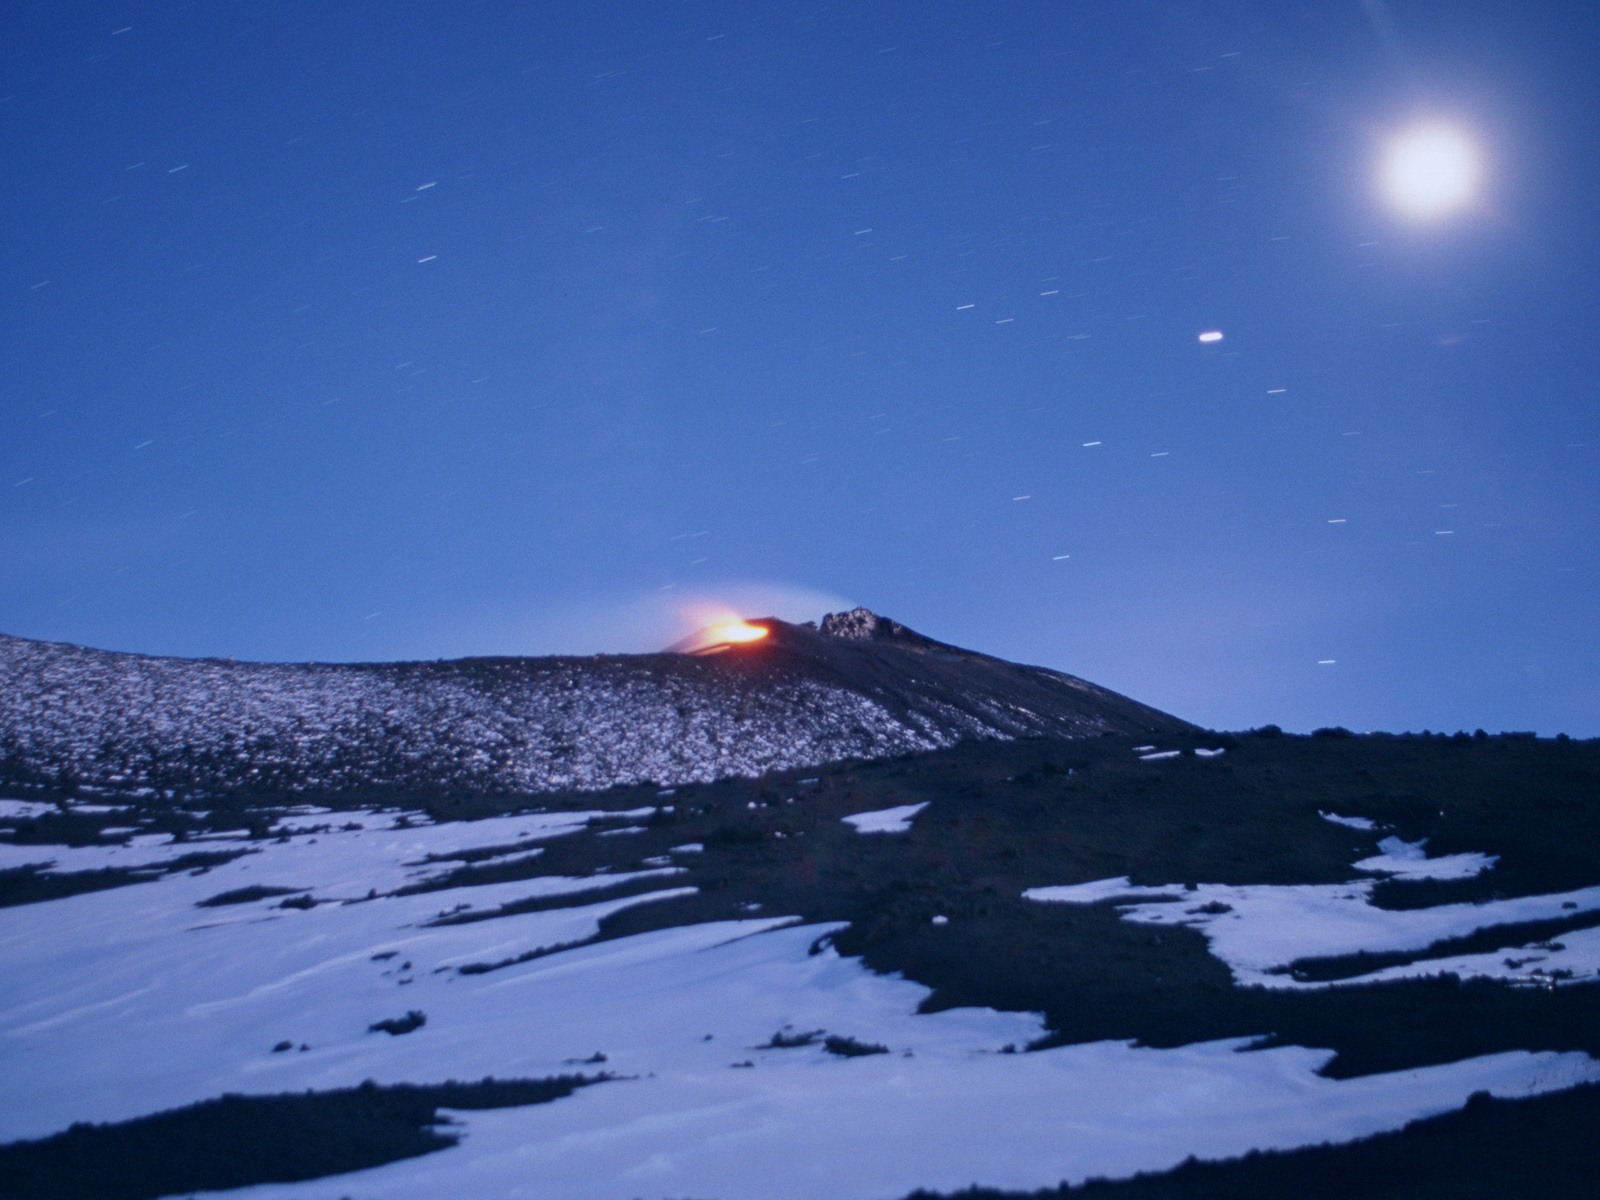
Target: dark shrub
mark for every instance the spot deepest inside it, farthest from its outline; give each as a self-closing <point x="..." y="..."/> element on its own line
<point x="245" y="895"/>
<point x="395" y="1026"/>
<point x="791" y="1041"/>
<point x="848" y="1047"/>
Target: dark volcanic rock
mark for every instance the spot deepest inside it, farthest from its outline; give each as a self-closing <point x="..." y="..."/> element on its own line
<point x="860" y="624"/>
<point x="860" y="686"/>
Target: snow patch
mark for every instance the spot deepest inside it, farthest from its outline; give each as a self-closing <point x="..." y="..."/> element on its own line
<point x="1363" y="823"/>
<point x="24" y="810"/>
<point x="1258" y="930"/>
<point x="1410" y="861"/>
<point x="885" y="820"/>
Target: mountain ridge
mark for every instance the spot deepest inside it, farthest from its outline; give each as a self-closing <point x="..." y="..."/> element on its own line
<point x="856" y="686"/>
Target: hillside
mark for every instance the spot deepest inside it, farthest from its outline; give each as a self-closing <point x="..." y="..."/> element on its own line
<point x="858" y="687"/>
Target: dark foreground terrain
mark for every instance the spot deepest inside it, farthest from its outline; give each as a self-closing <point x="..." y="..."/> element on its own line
<point x="1001" y="817"/>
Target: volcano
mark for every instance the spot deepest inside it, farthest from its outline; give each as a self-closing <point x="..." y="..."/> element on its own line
<point x="857" y="686"/>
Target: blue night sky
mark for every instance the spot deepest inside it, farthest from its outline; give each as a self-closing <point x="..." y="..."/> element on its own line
<point x="412" y="330"/>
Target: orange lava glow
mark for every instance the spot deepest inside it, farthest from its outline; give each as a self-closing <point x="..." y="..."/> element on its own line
<point x="734" y="632"/>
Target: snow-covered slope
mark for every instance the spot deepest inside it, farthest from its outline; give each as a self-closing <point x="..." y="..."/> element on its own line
<point x="742" y="1057"/>
<point x="858" y="687"/>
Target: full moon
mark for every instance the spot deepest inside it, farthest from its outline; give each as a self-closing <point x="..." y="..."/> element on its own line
<point x="1430" y="171"/>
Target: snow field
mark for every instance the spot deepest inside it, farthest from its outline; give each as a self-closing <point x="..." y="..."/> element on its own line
<point x="1259" y="930"/>
<point x="328" y="855"/>
<point x="798" y="1124"/>
<point x="118" y="1003"/>
<point x="131" y="1000"/>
